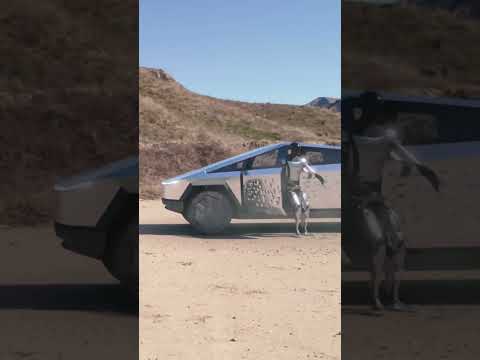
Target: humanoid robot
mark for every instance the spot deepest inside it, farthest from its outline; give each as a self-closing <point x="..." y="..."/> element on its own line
<point x="376" y="138"/>
<point x="296" y="164"/>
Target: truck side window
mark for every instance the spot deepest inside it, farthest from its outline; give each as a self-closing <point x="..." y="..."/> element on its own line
<point x="267" y="160"/>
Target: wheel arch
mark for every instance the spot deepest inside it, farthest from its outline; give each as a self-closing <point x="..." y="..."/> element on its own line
<point x="116" y="217"/>
<point x="193" y="190"/>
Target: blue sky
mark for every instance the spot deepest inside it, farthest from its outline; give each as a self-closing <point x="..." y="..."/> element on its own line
<point x="251" y="50"/>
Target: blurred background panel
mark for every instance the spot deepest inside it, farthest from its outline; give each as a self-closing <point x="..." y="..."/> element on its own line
<point x="68" y="104"/>
<point x="418" y="56"/>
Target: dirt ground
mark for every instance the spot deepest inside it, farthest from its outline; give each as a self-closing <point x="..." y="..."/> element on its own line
<point x="55" y="304"/>
<point x="443" y="325"/>
<point x="257" y="293"/>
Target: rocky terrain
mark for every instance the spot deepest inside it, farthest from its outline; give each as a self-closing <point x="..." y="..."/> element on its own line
<point x="181" y="130"/>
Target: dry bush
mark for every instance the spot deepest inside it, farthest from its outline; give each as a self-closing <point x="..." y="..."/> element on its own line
<point x="160" y="161"/>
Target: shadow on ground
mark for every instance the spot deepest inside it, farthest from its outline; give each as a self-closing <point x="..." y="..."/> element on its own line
<point x="106" y="298"/>
<point x="420" y="292"/>
<point x="240" y="231"/>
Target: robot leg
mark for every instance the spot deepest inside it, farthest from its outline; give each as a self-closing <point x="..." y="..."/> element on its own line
<point x="305" y="212"/>
<point x="296" y="202"/>
<point x="376" y="242"/>
<point x="395" y="261"/>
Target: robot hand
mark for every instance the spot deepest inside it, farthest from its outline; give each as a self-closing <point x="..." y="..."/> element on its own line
<point x="430" y="175"/>
<point x="320" y="178"/>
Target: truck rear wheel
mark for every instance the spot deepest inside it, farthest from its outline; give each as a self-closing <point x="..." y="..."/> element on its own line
<point x="209" y="212"/>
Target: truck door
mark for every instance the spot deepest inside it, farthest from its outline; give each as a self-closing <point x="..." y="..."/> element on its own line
<point x="262" y="186"/>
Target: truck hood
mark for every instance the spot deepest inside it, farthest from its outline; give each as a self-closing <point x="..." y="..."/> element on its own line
<point x="124" y="168"/>
<point x="222" y="163"/>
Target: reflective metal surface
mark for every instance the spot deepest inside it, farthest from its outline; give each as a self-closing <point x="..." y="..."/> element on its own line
<point x="295" y="168"/>
<point x="231" y="181"/>
<point x="449" y="101"/>
<point x="262" y="188"/>
<point x="174" y="189"/>
<point x="218" y="165"/>
<point x="81" y="200"/>
<point x="236" y="188"/>
<point x="263" y="191"/>
<point x="323" y="197"/>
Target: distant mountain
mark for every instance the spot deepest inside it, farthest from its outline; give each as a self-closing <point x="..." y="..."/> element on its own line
<point x="326" y="103"/>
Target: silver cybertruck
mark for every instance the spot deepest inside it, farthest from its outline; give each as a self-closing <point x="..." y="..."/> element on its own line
<point x="97" y="216"/>
<point x="252" y="185"/>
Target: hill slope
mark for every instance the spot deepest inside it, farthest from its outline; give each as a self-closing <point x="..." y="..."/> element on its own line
<point x="67" y="96"/>
<point x="181" y="130"/>
<point x="410" y="49"/>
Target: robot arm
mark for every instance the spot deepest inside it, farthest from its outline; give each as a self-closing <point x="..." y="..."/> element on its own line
<point x="400" y="153"/>
<point x="311" y="171"/>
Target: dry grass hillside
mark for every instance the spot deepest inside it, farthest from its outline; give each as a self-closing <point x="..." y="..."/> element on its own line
<point x="67" y="96"/>
<point x="181" y="130"/>
<point x="410" y="50"/>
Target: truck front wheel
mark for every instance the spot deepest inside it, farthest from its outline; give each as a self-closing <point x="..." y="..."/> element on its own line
<point x="209" y="212"/>
<point x="121" y="256"/>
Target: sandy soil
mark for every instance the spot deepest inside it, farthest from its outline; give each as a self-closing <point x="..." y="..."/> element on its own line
<point x="58" y="305"/>
<point x="257" y="293"/>
<point x="444" y="324"/>
<point x="433" y="332"/>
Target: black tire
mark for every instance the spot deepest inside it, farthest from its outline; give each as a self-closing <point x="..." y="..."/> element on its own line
<point x="185" y="216"/>
<point x="121" y="256"/>
<point x="209" y="212"/>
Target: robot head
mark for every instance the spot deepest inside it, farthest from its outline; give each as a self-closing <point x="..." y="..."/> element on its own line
<point x="371" y="104"/>
<point x="295" y="150"/>
<point x="369" y="112"/>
